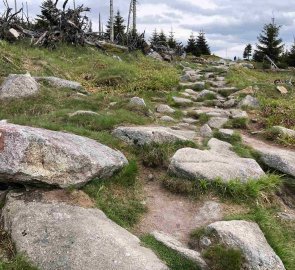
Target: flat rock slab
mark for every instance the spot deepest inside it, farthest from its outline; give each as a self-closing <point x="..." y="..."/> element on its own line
<point x="274" y="157"/>
<point x="217" y="163"/>
<point x="61" y="83"/>
<point x="18" y="86"/>
<point x="142" y="135"/>
<point x="247" y="237"/>
<point x="182" y="101"/>
<point x="175" y="245"/>
<point x="60" y="236"/>
<point x="34" y="155"/>
<point x="217" y="122"/>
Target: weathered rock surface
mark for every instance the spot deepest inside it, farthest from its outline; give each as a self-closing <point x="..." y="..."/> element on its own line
<point x="83" y="113"/>
<point x="18" y="86"/>
<point x="182" y="101"/>
<point x="274" y="157"/>
<point x="217" y="122"/>
<point x="193" y="85"/>
<point x="285" y="131"/>
<point x="60" y="236"/>
<point x="206" y="131"/>
<point x="142" y="135"/>
<point x="205" y="94"/>
<point x="248" y="237"/>
<point x="250" y="102"/>
<point x="33" y="155"/>
<point x="61" y="83"/>
<point x="167" y="118"/>
<point x="137" y="101"/>
<point x="175" y="245"/>
<point x="165" y="109"/>
<point x="226" y="133"/>
<point x="217" y="163"/>
<point x="235" y="114"/>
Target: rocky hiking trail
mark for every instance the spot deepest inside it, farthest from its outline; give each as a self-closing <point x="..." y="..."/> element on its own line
<point x="40" y="220"/>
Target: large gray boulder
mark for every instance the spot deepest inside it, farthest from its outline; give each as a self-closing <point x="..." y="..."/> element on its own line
<point x="34" y="155"/>
<point x="217" y="122"/>
<point x="217" y="163"/>
<point x="61" y="83"/>
<point x="247" y="237"/>
<point x="250" y="102"/>
<point x="142" y="135"/>
<point x="54" y="235"/>
<point x="18" y="86"/>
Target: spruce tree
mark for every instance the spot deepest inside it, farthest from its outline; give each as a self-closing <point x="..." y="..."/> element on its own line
<point x="202" y="44"/>
<point x="162" y="37"/>
<point x="49" y="16"/>
<point x="269" y="42"/>
<point x="119" y="27"/>
<point x="171" y="41"/>
<point x="247" y="52"/>
<point x="192" y="46"/>
<point x="155" y="37"/>
<point x="291" y="56"/>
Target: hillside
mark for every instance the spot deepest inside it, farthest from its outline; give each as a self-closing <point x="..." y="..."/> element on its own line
<point x="209" y="143"/>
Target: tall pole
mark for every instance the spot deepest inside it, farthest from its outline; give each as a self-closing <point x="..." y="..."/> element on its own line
<point x="15" y="6"/>
<point x="111" y="20"/>
<point x="99" y="25"/>
<point x="74" y="3"/>
<point x="134" y="16"/>
<point x="129" y="16"/>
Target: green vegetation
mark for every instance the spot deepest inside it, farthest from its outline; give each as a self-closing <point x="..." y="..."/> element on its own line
<point x="279" y="234"/>
<point x="173" y="260"/>
<point x="241" y="123"/>
<point x="274" y="134"/>
<point x="234" y="190"/>
<point x="158" y="154"/>
<point x="18" y="263"/>
<point x="204" y="118"/>
<point x="222" y="258"/>
<point x="119" y="198"/>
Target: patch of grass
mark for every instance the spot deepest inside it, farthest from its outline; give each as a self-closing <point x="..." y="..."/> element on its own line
<point x="234" y="190"/>
<point x="18" y="263"/>
<point x="209" y="96"/>
<point x="233" y="139"/>
<point x="158" y="154"/>
<point x="279" y="234"/>
<point x="220" y="257"/>
<point x="204" y="118"/>
<point x="120" y="197"/>
<point x="274" y="134"/>
<point x="241" y="123"/>
<point x="174" y="260"/>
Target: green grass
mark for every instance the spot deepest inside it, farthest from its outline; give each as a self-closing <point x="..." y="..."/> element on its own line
<point x="233" y="190"/>
<point x="279" y="234"/>
<point x="18" y="263"/>
<point x="120" y="197"/>
<point x="204" y="118"/>
<point x="274" y="134"/>
<point x="240" y="123"/>
<point x="233" y="139"/>
<point x="220" y="257"/>
<point x="173" y="259"/>
<point x="159" y="154"/>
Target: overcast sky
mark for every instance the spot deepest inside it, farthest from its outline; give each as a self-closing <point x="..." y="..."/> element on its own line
<point x="229" y="24"/>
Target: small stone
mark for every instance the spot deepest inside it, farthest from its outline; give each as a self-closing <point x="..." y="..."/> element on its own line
<point x="217" y="122"/>
<point x="227" y="133"/>
<point x="163" y="108"/>
<point x="206" y="131"/>
<point x="166" y="118"/>
<point x="182" y="101"/>
<point x="136" y="101"/>
<point x="151" y="177"/>
<point x="229" y="103"/>
<point x="283" y="90"/>
<point x="250" y="102"/>
<point x="236" y="114"/>
<point x="82" y="113"/>
<point x="205" y="242"/>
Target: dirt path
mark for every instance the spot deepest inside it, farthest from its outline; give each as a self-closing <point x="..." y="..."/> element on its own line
<point x="174" y="214"/>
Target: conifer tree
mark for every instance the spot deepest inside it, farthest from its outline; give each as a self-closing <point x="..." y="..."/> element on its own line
<point x="49" y="15"/>
<point x="247" y="52"/>
<point x="162" y="37"/>
<point x="202" y="44"/>
<point x="119" y="27"/>
<point x="171" y="41"/>
<point x="155" y="37"/>
<point x="269" y="42"/>
<point x="192" y="46"/>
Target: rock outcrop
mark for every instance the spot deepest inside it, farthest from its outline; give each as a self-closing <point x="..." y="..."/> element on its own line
<point x="33" y="155"/>
<point x="59" y="236"/>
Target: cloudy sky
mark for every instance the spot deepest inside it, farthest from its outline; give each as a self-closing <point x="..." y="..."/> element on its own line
<point x="229" y="24"/>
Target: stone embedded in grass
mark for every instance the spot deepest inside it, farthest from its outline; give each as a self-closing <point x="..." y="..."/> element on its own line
<point x="175" y="245"/>
<point x="191" y="92"/>
<point x="285" y="132"/>
<point x="194" y="85"/>
<point x="217" y="122"/>
<point x="167" y="118"/>
<point x="55" y="235"/>
<point x="229" y="103"/>
<point x="61" y="83"/>
<point x="249" y="102"/>
<point x="163" y="108"/>
<point x="137" y="101"/>
<point x="206" y="131"/>
<point x="82" y="113"/>
<point x="18" y="86"/>
<point x="220" y="162"/>
<point x="236" y="114"/>
<point x="39" y="156"/>
<point x="189" y="120"/>
<point x="142" y="135"/>
<point x="247" y="237"/>
<point x="182" y="101"/>
<point x="206" y="94"/>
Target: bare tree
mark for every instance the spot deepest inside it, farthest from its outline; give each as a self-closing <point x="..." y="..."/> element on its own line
<point x="112" y="20"/>
<point x="134" y="15"/>
<point x="129" y="16"/>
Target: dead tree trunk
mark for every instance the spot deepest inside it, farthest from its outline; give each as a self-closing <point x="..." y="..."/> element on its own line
<point x="129" y="16"/>
<point x="112" y="20"/>
<point x="134" y="16"/>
